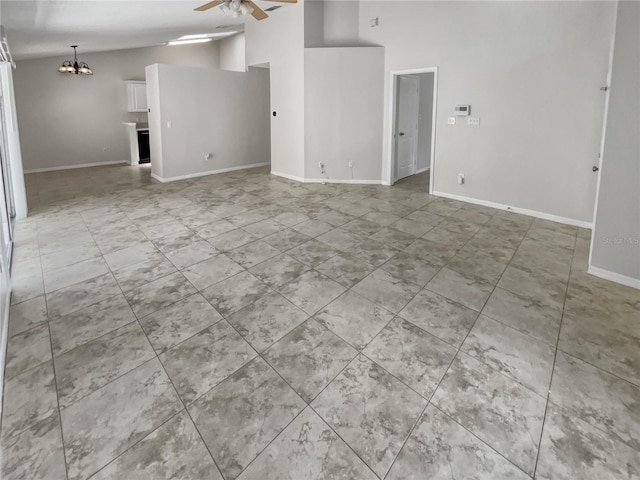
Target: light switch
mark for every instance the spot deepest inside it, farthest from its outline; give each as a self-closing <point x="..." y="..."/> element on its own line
<point x="473" y="121"/>
<point x="451" y="120"/>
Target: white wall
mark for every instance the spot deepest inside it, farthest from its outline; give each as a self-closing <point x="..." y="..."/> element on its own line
<point x="314" y="23"/>
<point x="616" y="238"/>
<point x="425" y="121"/>
<point x="211" y="111"/>
<point x="343" y="112"/>
<point x="530" y="70"/>
<point x="73" y="120"/>
<point x="233" y="54"/>
<point x="341" y="25"/>
<point x="279" y="41"/>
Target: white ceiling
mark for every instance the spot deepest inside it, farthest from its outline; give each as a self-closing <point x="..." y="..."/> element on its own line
<point x="44" y="28"/>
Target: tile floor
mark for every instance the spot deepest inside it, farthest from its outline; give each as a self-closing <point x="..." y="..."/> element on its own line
<point x="244" y="326"/>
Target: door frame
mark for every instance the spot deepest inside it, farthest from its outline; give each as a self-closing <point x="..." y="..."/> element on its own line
<point x="394" y="74"/>
<point x="397" y="127"/>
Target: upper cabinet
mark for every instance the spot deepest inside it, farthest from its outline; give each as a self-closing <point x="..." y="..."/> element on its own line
<point x="136" y="96"/>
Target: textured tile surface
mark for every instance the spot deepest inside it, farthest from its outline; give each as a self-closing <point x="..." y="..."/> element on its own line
<point x="239" y="417"/>
<point x="361" y="405"/>
<point x="307" y="449"/>
<point x="251" y="358"/>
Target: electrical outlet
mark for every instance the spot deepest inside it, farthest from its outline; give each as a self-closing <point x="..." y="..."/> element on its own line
<point x="350" y="164"/>
<point x="451" y="120"/>
<point x="473" y="121"/>
<point x="208" y="156"/>
<point x="320" y="165"/>
<point x="461" y="178"/>
<point x="169" y="124"/>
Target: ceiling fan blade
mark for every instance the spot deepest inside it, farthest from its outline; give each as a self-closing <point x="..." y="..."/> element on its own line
<point x="207" y="6"/>
<point x="257" y="13"/>
<point x="282" y="1"/>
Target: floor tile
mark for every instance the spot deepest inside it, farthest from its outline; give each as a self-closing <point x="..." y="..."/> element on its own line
<point x="278" y="270"/>
<point x="572" y="448"/>
<point x="36" y="453"/>
<point x="412" y="227"/>
<point x="311" y="291"/>
<point x="230" y="240"/>
<point x="178" y="322"/>
<point x="361" y="406"/>
<point x="159" y="294"/>
<point x="498" y="410"/>
<point x="214" y="229"/>
<point x="354" y="318"/>
<point x="178" y="241"/>
<point x="307" y="449"/>
<point x="174" y="451"/>
<point x="106" y="423"/>
<point x="528" y="315"/>
<point x="69" y="256"/>
<point x="440" y="448"/>
<point x="27" y="349"/>
<point x="267" y="320"/>
<point x="410" y="269"/>
<point x="470" y="291"/>
<point x="361" y="226"/>
<point x="548" y="290"/>
<point x="309" y="357"/>
<point x="144" y="272"/>
<point x="26" y="288"/>
<point x="130" y="256"/>
<point x="26" y="315"/>
<point x="341" y="239"/>
<point x="28" y="399"/>
<point x="598" y="398"/>
<point x="212" y="271"/>
<point x="345" y="270"/>
<point x="81" y="295"/>
<point x="235" y="293"/>
<point x="606" y="337"/>
<point x="393" y="238"/>
<point x="313" y="253"/>
<point x="198" y="364"/>
<point x="412" y="355"/>
<point x="81" y="326"/>
<point x="239" y="417"/>
<point x="253" y="253"/>
<point x="191" y="254"/>
<point x="372" y="252"/>
<point x="89" y="367"/>
<point x="515" y="354"/>
<point x="286" y="239"/>
<point x="386" y="290"/>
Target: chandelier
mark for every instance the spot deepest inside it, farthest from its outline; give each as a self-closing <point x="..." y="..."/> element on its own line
<point x="73" y="66"/>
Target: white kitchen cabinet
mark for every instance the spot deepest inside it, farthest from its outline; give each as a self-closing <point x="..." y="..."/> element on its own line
<point x="136" y="96"/>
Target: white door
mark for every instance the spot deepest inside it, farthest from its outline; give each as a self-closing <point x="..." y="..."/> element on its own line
<point x="407" y="125"/>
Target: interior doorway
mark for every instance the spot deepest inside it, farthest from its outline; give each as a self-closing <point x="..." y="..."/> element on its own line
<point x="413" y="113"/>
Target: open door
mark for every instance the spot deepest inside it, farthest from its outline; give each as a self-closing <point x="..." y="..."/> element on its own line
<point x="407" y="125"/>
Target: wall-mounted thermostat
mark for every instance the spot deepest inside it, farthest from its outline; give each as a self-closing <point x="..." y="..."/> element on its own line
<point x="462" y="110"/>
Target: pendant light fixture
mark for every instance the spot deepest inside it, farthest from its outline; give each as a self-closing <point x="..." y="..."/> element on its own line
<point x="74" y="66"/>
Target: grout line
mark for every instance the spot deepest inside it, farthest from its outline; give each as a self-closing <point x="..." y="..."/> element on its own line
<point x="555" y="356"/>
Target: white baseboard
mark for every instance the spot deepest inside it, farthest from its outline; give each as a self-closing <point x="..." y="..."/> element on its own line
<point x="71" y="167"/>
<point x="287" y="176"/>
<point x="614" y="277"/>
<point x="524" y="211"/>
<point x="348" y="182"/>
<point x="209" y="172"/>
<point x="324" y="180"/>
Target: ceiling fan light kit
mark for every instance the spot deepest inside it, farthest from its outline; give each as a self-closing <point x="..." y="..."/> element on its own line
<point x="69" y="66"/>
<point x="239" y="8"/>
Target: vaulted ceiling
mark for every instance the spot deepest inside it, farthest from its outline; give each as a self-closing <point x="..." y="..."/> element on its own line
<point x="43" y="28"/>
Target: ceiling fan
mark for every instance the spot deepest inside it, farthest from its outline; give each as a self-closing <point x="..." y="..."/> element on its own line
<point x="238" y="8"/>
